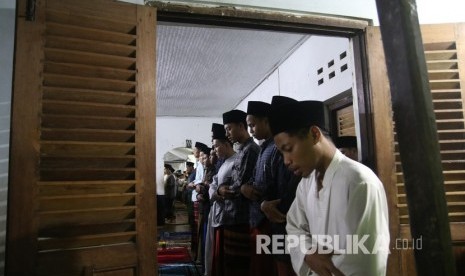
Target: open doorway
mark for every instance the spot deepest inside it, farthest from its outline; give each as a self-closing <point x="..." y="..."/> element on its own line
<point x="228" y="66"/>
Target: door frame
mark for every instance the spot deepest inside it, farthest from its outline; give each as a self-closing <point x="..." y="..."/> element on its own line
<point x="308" y="23"/>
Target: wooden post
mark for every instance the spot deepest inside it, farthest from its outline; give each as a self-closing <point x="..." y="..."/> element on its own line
<point x="417" y="136"/>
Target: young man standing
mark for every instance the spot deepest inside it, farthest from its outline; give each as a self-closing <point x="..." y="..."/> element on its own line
<point x="338" y="223"/>
<point x="261" y="184"/>
<point x="236" y="207"/>
<point x="214" y="253"/>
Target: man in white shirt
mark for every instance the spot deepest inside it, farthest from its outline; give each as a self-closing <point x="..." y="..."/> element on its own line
<point x="338" y="223"/>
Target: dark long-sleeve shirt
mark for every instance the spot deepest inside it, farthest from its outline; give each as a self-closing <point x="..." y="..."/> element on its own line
<point x="263" y="179"/>
<point x="236" y="210"/>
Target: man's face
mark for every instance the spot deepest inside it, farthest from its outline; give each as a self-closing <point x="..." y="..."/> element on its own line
<point x="205" y="159"/>
<point x="220" y="148"/>
<point x="213" y="157"/>
<point x="189" y="169"/>
<point x="196" y="152"/>
<point x="257" y="126"/>
<point x="298" y="152"/>
<point x="233" y="131"/>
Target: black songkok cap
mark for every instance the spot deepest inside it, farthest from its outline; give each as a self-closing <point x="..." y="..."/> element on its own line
<point x="169" y="167"/>
<point x="281" y="100"/>
<point x="216" y="126"/>
<point x="234" y="116"/>
<point x="315" y="111"/>
<point x="346" y="142"/>
<point x="259" y="109"/>
<point x="200" y="146"/>
<point x="206" y="150"/>
<point x="190" y="164"/>
<point x="290" y="115"/>
<point x="280" y="117"/>
<point x="218" y="132"/>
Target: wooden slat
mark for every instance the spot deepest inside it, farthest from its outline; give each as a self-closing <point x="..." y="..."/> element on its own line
<point x="89" y="122"/>
<point x="90" y="135"/>
<point x="58" y="29"/>
<point x="86" y="241"/>
<point x="447" y="104"/>
<point x="86" y="58"/>
<point x="88" y="162"/>
<point x="85" y="187"/>
<point x="85" y="216"/>
<point x="105" y="10"/>
<point x="79" y="70"/>
<point x="457" y="231"/>
<point x="72" y="260"/>
<point x="84" y="45"/>
<point x="443" y="74"/>
<point x="55" y="80"/>
<point x="444" y="84"/>
<point x="88" y="229"/>
<point x="441" y="64"/>
<point x="76" y="202"/>
<point x="90" y="109"/>
<point x="88" y="95"/>
<point x="87" y="174"/>
<point x="441" y="54"/>
<point x="69" y="148"/>
<point x="90" y="22"/>
<point x="439" y="46"/>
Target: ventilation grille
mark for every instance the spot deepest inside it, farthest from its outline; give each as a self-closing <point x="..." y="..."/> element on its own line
<point x="332" y="68"/>
<point x="87" y="185"/>
<point x="447" y="100"/>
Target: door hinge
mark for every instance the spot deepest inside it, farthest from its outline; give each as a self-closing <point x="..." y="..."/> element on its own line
<point x="31" y="10"/>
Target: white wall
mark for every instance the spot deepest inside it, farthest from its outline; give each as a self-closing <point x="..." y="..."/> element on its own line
<point x="297" y="77"/>
<point x="172" y="132"/>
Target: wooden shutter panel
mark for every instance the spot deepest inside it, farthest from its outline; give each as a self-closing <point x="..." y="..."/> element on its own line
<point x="444" y="46"/>
<point x="443" y="54"/>
<point x="84" y="120"/>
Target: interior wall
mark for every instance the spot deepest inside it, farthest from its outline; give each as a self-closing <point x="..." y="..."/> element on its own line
<point x="172" y="132"/>
<point x="7" y="21"/>
<point x="298" y="76"/>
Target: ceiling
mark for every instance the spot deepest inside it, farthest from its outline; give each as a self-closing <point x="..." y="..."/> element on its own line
<point x="204" y="71"/>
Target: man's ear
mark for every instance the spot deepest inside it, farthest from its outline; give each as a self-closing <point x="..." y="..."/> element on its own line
<point x="315" y="133"/>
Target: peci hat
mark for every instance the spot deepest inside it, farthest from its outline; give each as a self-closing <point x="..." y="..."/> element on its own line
<point x="346" y="142"/>
<point x="206" y="150"/>
<point x="282" y="115"/>
<point x="169" y="167"/>
<point x="218" y="132"/>
<point x="289" y="115"/>
<point x="315" y="113"/>
<point x="280" y="100"/>
<point x="217" y="128"/>
<point x="189" y="164"/>
<point x="234" y="116"/>
<point x="259" y="109"/>
<point x="200" y="145"/>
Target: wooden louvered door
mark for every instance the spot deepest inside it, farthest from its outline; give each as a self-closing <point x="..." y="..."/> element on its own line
<point x="345" y="121"/>
<point x="444" y="47"/>
<point x="82" y="173"/>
